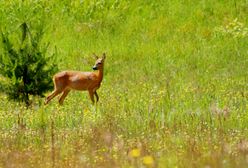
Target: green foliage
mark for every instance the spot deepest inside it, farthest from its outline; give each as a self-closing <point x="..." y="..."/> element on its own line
<point x="26" y="65"/>
<point x="174" y="92"/>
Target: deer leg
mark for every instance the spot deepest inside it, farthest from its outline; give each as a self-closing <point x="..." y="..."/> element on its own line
<point x="91" y="93"/>
<point x="51" y="96"/>
<point x="62" y="98"/>
<point x="97" y="97"/>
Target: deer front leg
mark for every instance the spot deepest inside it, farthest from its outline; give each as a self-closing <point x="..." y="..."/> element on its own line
<point x="97" y="97"/>
<point x="91" y="93"/>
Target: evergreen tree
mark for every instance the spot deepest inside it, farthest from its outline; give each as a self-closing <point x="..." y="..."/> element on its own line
<point x="25" y="63"/>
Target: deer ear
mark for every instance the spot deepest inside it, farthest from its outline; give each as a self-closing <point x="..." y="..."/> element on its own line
<point x="104" y="55"/>
<point x="95" y="56"/>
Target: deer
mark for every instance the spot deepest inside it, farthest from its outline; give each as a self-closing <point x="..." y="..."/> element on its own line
<point x="66" y="81"/>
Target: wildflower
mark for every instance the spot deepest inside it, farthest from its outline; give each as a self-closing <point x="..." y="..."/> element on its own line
<point x="148" y="160"/>
<point x="135" y="153"/>
<point x="234" y="28"/>
<point x="86" y="111"/>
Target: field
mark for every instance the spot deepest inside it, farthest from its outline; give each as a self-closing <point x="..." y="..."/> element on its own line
<point x="174" y="92"/>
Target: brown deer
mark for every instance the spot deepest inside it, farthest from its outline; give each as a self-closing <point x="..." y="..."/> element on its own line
<point x="66" y="81"/>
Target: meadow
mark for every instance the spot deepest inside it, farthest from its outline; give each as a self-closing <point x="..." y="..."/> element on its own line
<point x="174" y="92"/>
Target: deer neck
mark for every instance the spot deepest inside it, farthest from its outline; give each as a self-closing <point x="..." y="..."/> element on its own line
<point x="100" y="75"/>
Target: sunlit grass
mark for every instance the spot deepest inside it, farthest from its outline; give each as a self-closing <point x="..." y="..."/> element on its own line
<point x="174" y="92"/>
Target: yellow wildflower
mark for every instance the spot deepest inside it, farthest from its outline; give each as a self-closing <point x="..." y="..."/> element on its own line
<point x="148" y="160"/>
<point x="86" y="111"/>
<point x="135" y="153"/>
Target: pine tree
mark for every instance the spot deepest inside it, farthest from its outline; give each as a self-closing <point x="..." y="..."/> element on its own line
<point x="26" y="65"/>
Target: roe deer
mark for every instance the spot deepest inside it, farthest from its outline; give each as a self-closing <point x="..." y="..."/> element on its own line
<point x="66" y="81"/>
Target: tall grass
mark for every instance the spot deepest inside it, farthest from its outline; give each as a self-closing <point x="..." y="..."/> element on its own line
<point x="174" y="92"/>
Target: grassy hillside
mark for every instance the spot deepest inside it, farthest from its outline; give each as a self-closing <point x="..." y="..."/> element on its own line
<point x="174" y="92"/>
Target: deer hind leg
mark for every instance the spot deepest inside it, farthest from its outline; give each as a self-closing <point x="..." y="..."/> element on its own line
<point x="97" y="97"/>
<point x="62" y="98"/>
<point x="91" y="93"/>
<point x="56" y="91"/>
<point x="58" y="88"/>
<point x="52" y="95"/>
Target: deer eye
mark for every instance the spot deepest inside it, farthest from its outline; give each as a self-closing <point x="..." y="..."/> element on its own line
<point x="99" y="63"/>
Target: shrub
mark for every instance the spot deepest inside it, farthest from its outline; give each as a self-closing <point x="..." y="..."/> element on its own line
<point x="25" y="63"/>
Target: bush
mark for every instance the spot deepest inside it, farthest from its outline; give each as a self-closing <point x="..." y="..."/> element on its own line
<point x="25" y="63"/>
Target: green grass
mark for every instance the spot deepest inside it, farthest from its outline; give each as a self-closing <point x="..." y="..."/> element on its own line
<point x="175" y="85"/>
